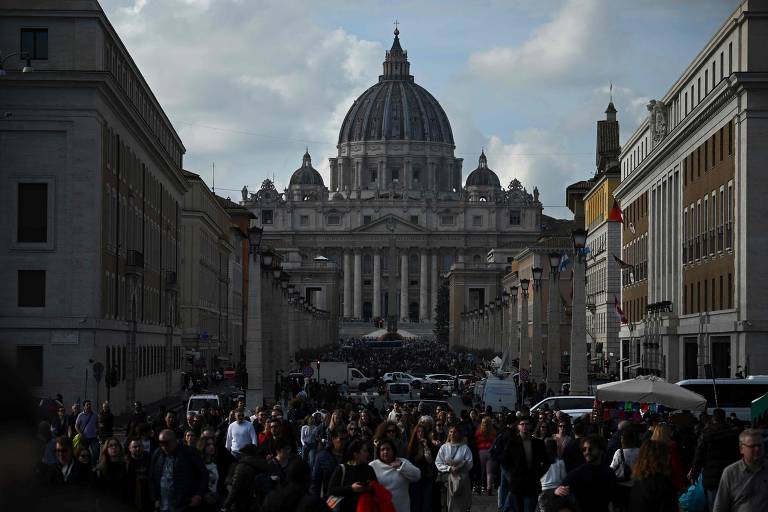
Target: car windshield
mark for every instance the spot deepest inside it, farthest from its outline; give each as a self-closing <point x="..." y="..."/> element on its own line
<point x="195" y="404"/>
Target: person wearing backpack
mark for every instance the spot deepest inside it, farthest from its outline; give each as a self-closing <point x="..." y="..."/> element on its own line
<point x="623" y="460"/>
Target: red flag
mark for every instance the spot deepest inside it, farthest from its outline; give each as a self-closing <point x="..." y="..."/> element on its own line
<point x="619" y="311"/>
<point x="615" y="213"/>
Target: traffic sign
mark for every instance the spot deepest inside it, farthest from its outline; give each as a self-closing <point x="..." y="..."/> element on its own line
<point x="308" y="372"/>
<point x="98" y="371"/>
<point x="524" y="375"/>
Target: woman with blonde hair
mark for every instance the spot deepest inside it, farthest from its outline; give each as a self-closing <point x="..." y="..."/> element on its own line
<point x="484" y="437"/>
<point x="662" y="433"/>
<point x="454" y="462"/>
<point x="653" y="488"/>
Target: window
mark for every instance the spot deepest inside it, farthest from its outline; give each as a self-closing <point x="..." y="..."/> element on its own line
<point x="416" y="174"/>
<point x="304" y="220"/>
<point x="698" y="90"/>
<point x="31" y="285"/>
<point x="730" y="58"/>
<point x="721" y="65"/>
<point x="374" y="174"/>
<point x="514" y="217"/>
<point x="366" y="219"/>
<point x="32" y="220"/>
<point x="414" y="219"/>
<point x="477" y="220"/>
<point x="29" y="363"/>
<point x="447" y="220"/>
<point x="706" y="81"/>
<point x="395" y="174"/>
<point x="34" y="41"/>
<point x="334" y="220"/>
<point x="266" y="216"/>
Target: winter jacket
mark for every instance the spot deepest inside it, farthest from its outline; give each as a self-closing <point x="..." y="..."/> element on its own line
<point x="325" y="464"/>
<point x="294" y="498"/>
<point x="656" y="493"/>
<point x="190" y="478"/>
<point x="247" y="470"/>
<point x="525" y="479"/>
<point x="717" y="448"/>
<point x="342" y="480"/>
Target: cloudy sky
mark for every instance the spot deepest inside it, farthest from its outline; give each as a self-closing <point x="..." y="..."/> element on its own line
<point x="248" y="84"/>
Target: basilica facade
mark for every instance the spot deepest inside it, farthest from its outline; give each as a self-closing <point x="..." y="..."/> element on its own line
<point x="397" y="214"/>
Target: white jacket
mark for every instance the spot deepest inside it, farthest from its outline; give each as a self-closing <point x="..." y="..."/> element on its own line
<point x="397" y="481"/>
<point x="450" y="455"/>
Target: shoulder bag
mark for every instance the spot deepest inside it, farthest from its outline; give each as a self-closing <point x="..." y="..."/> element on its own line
<point x="334" y="502"/>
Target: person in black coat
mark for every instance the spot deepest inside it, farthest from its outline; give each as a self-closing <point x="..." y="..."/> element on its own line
<point x="352" y="478"/>
<point x="137" y="477"/>
<point x="593" y="484"/>
<point x="524" y="461"/>
<point x="653" y="488"/>
<point x="68" y="470"/>
<point x="137" y="418"/>
<point x="190" y="478"/>
<point x="717" y="448"/>
<point x="249" y="481"/>
<point x="295" y="495"/>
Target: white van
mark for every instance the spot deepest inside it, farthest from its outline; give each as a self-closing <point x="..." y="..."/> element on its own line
<point x="398" y="391"/>
<point x="572" y="405"/>
<point x="500" y="393"/>
<point x="196" y="402"/>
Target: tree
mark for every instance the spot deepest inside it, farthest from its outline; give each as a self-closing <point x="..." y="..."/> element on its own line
<point x="442" y="312"/>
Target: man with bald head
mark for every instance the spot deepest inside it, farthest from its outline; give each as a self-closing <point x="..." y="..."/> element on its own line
<point x="178" y="478"/>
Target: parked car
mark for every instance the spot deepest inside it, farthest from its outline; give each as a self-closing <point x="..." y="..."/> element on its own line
<point x="444" y="380"/>
<point x="573" y="406"/>
<point x="432" y="390"/>
<point x="404" y="377"/>
<point x="398" y="392"/>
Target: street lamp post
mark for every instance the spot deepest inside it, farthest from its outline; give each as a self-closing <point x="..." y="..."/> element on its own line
<point x="578" y="376"/>
<point x="537" y="372"/>
<point x="553" y="323"/>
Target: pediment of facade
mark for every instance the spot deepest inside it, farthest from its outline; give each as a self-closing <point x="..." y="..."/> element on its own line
<point x="390" y="224"/>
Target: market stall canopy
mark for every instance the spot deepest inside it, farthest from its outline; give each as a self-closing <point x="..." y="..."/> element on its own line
<point x="651" y="390"/>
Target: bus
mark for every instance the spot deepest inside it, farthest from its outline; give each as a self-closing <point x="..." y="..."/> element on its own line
<point x="733" y="395"/>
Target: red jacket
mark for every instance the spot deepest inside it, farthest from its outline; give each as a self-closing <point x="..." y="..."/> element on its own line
<point x="484" y="442"/>
<point x="380" y="500"/>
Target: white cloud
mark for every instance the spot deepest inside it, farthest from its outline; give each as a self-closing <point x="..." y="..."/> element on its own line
<point x="561" y="49"/>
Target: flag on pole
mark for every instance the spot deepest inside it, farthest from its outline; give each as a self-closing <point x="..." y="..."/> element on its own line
<point x="623" y="265"/>
<point x="619" y="311"/>
<point x="615" y="214"/>
<point x="564" y="261"/>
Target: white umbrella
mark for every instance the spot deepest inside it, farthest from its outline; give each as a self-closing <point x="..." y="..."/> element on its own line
<point x="651" y="389"/>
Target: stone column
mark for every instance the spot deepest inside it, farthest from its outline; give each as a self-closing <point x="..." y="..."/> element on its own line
<point x="377" y="284"/>
<point x="348" y="309"/>
<point x="490" y="342"/>
<point x="525" y="342"/>
<point x="434" y="285"/>
<point x="578" y="332"/>
<point x="553" y="333"/>
<point x="404" y="287"/>
<point x="358" y="291"/>
<point x="537" y="373"/>
<point x="423" y="287"/>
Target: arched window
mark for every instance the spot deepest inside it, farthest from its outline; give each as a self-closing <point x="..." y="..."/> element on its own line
<point x="413" y="263"/>
<point x="367" y="264"/>
<point x="476" y="259"/>
<point x="483" y="199"/>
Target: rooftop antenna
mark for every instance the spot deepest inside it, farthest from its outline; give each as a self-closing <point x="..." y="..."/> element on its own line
<point x="610" y="91"/>
<point x="213" y="167"/>
<point x="396" y="24"/>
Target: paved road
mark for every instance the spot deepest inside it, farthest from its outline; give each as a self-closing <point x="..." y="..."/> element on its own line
<point x="484" y="504"/>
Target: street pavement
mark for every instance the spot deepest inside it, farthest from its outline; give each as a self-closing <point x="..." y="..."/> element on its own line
<point x="484" y="503"/>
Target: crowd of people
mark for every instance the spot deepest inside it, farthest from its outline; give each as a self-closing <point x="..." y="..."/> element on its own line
<point x="322" y="451"/>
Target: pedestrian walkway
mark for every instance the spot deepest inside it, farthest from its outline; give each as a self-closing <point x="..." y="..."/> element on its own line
<point x="484" y="503"/>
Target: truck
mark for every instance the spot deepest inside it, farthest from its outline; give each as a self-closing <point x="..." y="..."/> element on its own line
<point x="339" y="372"/>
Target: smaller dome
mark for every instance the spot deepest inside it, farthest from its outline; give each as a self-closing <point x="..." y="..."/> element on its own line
<point x="306" y="174"/>
<point x="483" y="176"/>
